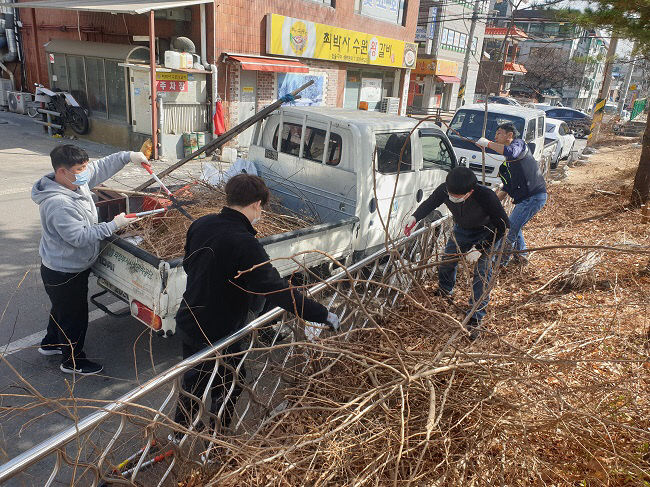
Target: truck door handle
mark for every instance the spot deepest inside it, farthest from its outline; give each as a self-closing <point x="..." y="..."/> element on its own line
<point x="342" y="206"/>
<point x="418" y="195"/>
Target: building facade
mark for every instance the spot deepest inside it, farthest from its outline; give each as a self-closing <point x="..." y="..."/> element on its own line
<point x="248" y="53"/>
<point x="570" y="43"/>
<point x="443" y="39"/>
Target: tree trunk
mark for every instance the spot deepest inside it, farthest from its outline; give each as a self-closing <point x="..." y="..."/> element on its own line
<point x="641" y="187"/>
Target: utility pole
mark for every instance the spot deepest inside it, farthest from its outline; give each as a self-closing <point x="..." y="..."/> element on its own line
<point x="463" y="77"/>
<point x="599" y="107"/>
<point x="626" y="83"/>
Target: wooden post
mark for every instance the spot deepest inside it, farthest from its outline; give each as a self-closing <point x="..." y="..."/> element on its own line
<point x="645" y="213"/>
<point x="36" y="44"/>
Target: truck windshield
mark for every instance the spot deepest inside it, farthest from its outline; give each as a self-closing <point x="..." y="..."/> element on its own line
<point x="469" y="123"/>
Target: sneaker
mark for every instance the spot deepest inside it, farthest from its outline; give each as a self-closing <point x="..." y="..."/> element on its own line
<point x="49" y="350"/>
<point x="81" y="365"/>
<point x="474" y="328"/>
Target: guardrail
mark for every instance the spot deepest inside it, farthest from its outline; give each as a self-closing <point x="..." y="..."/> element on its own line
<point x="91" y="451"/>
<point x="437" y="112"/>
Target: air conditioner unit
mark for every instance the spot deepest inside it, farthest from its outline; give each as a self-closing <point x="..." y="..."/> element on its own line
<point x="5" y="86"/>
<point x="390" y="105"/>
<point x="19" y="101"/>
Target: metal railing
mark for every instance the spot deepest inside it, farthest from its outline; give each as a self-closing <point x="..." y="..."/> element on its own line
<point x="91" y="451"/>
<point x="437" y="112"/>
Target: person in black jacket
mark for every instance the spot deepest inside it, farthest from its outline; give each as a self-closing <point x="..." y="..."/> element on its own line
<point x="226" y="267"/>
<point x="479" y="221"/>
<point x="522" y="181"/>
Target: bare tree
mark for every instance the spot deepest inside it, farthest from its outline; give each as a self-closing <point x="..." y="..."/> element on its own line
<point x="549" y="68"/>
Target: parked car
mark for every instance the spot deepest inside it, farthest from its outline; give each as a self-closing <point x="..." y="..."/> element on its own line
<point x="560" y="131"/>
<point x="578" y="122"/>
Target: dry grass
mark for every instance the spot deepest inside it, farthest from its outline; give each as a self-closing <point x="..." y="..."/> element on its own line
<point x="556" y="391"/>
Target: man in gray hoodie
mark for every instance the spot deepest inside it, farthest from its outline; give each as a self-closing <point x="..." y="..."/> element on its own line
<point x="70" y="243"/>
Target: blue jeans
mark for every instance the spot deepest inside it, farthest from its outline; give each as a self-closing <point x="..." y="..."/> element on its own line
<point x="461" y="241"/>
<point x="522" y="213"/>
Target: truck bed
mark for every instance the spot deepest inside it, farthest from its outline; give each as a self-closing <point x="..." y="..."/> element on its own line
<point x="147" y="282"/>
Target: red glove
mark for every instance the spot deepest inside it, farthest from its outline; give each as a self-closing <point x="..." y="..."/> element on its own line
<point x="410" y="224"/>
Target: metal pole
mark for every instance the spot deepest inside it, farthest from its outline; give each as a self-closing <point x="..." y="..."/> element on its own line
<point x="604" y="93"/>
<point x="463" y="77"/>
<point x="152" y="70"/>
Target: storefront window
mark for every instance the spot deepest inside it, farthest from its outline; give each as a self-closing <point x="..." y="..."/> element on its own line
<point x="389" y="147"/>
<point x="352" y="87"/>
<point x="117" y="99"/>
<point x="77" y="79"/>
<point x="59" y="72"/>
<point x="89" y="79"/>
<point x="96" y="85"/>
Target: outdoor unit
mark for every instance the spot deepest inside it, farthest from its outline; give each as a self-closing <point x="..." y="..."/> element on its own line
<point x="389" y="104"/>
<point x="19" y="101"/>
<point x="5" y="86"/>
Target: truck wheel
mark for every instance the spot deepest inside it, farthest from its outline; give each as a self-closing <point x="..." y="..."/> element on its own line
<point x="555" y="162"/>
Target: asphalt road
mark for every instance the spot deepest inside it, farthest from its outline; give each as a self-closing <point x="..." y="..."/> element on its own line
<point x="124" y="346"/>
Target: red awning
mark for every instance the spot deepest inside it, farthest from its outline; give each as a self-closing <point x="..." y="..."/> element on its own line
<point x="447" y="79"/>
<point x="271" y="64"/>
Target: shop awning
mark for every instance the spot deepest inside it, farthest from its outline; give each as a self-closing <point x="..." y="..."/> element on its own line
<point x="514" y="69"/>
<point x="270" y="64"/>
<point x="113" y="6"/>
<point x="447" y="79"/>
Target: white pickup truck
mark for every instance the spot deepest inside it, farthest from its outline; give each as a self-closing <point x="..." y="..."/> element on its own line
<point x="321" y="164"/>
<point x="467" y="126"/>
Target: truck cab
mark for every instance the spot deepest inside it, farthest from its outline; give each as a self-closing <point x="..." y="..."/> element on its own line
<point x="467" y="127"/>
<point x="335" y="163"/>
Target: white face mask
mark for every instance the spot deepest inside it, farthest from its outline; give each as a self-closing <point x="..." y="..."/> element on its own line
<point x="457" y="199"/>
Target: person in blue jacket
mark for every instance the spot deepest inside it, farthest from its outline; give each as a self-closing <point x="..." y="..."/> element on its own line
<point x="522" y="181"/>
<point x="70" y="244"/>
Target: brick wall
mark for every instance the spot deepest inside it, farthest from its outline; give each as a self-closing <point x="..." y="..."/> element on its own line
<point x="241" y="24"/>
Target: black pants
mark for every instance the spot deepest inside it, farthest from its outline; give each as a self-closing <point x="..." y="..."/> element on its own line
<point x="68" y="323"/>
<point x="196" y="380"/>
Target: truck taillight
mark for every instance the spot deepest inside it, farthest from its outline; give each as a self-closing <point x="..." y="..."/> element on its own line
<point x="146" y="315"/>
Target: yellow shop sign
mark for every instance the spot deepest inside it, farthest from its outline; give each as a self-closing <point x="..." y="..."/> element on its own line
<point x="287" y="36"/>
<point x="436" y="67"/>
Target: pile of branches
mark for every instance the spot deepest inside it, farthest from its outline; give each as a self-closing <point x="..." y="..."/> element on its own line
<point x="411" y="402"/>
<point x="164" y="235"/>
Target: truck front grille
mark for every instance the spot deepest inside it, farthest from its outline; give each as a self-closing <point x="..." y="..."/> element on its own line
<point x="479" y="168"/>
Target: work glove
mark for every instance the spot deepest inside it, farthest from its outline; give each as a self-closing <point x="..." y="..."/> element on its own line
<point x="473" y="256"/>
<point x="410" y="224"/>
<point x="121" y="220"/>
<point x="333" y="321"/>
<point x="138" y="158"/>
<point x="482" y="142"/>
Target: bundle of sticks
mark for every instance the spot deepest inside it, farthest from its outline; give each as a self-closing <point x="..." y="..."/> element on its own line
<point x="164" y="234"/>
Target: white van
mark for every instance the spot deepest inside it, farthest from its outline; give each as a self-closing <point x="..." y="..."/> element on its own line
<point x="467" y="127"/>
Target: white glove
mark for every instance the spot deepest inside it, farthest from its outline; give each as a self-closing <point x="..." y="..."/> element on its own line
<point x="138" y="158"/>
<point x="121" y="220"/>
<point x="410" y="223"/>
<point x="333" y="321"/>
<point x="473" y="256"/>
<point x="482" y="142"/>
